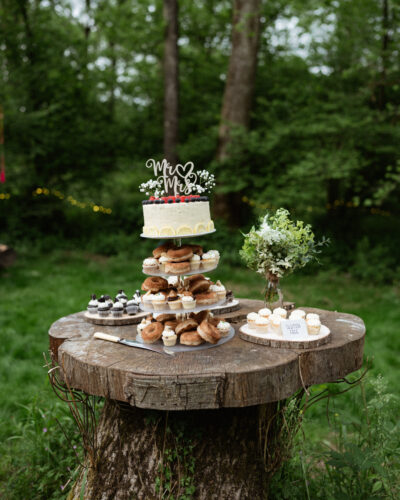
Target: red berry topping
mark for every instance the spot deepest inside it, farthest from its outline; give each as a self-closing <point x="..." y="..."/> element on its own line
<point x="152" y="198"/>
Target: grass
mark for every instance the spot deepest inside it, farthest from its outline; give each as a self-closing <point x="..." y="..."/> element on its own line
<point x="41" y="288"/>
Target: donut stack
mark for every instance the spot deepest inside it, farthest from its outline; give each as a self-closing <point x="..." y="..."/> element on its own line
<point x="174" y="261"/>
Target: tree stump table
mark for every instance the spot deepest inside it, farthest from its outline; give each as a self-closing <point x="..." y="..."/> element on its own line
<point x="193" y="422"/>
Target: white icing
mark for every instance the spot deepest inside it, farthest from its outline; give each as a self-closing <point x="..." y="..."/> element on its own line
<point x="265" y="312"/>
<point x="279" y="311"/>
<point x="187" y="298"/>
<point x="312" y="316"/>
<point x="150" y="262"/>
<point x="260" y="321"/>
<point x="252" y="316"/>
<point x="195" y="258"/>
<point x="163" y="259"/>
<point x="159" y="297"/>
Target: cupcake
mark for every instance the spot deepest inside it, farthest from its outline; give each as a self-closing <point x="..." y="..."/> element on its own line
<point x="251" y="319"/>
<point x="195" y="262"/>
<point x="162" y="260"/>
<point x="169" y="336"/>
<point x="279" y="311"/>
<point x="117" y="309"/>
<point x="208" y="260"/>
<point x="92" y="305"/>
<point x="298" y="314"/>
<point x="188" y="302"/>
<point x="215" y="254"/>
<point x="159" y="301"/>
<point x="132" y="307"/>
<point x="103" y="308"/>
<point x="219" y="289"/>
<point x="121" y="295"/>
<point x="265" y="312"/>
<point x="312" y="316"/>
<point x="150" y="264"/>
<point x="224" y="328"/>
<point x="143" y="324"/>
<point x="174" y="301"/>
<point x="147" y="299"/>
<point x="109" y="300"/>
<point x="261" y="324"/>
<point x="173" y="281"/>
<point x="313" y="326"/>
<point x="275" y="324"/>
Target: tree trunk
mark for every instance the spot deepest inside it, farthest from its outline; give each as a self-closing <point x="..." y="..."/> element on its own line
<point x="205" y="454"/>
<point x="240" y="80"/>
<point x="171" y="81"/>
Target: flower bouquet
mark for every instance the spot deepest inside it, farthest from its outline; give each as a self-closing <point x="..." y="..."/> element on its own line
<point x="277" y="247"/>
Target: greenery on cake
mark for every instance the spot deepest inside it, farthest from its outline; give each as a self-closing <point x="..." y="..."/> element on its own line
<point x="279" y="246"/>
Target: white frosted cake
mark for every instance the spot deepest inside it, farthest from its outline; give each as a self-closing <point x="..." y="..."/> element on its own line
<point x="177" y="216"/>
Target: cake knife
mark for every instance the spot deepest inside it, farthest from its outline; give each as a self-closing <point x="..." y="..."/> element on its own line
<point x="133" y="343"/>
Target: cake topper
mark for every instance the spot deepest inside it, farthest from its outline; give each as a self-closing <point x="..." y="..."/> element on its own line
<point x="176" y="179"/>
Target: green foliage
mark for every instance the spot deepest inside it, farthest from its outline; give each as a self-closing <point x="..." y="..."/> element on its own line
<point x="279" y="246"/>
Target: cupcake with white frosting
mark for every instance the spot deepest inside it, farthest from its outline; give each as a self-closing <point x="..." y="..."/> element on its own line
<point x="208" y="260"/>
<point x="173" y="281"/>
<point x="117" y="309"/>
<point x="297" y="314"/>
<point x="312" y="316"/>
<point x="279" y="311"/>
<point x="224" y="328"/>
<point x="132" y="306"/>
<point x="103" y="308"/>
<point x="261" y="324"/>
<point x="150" y="264"/>
<point x="169" y="336"/>
<point x="251" y="319"/>
<point x="195" y="262"/>
<point x="188" y="302"/>
<point x="93" y="304"/>
<point x="313" y="326"/>
<point x="275" y="322"/>
<point x="159" y="301"/>
<point x="215" y="253"/>
<point x="265" y="312"/>
<point x="219" y="289"/>
<point x="147" y="299"/>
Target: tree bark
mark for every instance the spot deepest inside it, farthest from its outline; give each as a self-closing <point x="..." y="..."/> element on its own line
<point x="207" y="455"/>
<point x="240" y="80"/>
<point x="171" y="81"/>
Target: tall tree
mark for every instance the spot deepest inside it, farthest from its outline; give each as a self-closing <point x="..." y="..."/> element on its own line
<point x="171" y="81"/>
<point x="240" y="80"/>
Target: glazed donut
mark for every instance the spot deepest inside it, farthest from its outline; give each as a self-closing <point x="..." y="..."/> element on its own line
<point x="173" y="324"/>
<point x="185" y="326"/>
<point x="177" y="267"/>
<point x="197" y="249"/>
<point x="151" y="333"/>
<point x="200" y="316"/>
<point x="157" y="252"/>
<point x="208" y="332"/>
<point x="199" y="286"/>
<point x="191" y="338"/>
<point x="206" y="298"/>
<point x="162" y="318"/>
<point x="154" y="284"/>
<point x="193" y="278"/>
<point x="179" y="254"/>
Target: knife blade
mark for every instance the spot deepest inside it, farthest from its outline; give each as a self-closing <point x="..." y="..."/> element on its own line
<point x="133" y="343"/>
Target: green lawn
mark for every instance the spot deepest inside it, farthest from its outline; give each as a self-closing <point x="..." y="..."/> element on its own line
<point x="40" y="289"/>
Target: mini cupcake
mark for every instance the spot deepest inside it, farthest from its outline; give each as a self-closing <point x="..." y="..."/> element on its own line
<point x="224" y="328"/>
<point x="265" y="312"/>
<point x="150" y="264"/>
<point x="109" y="301"/>
<point x="298" y="314"/>
<point x="312" y="316"/>
<point x="169" y="336"/>
<point x="251" y="319"/>
<point x="219" y="289"/>
<point x="92" y="305"/>
<point x="132" y="307"/>
<point x="142" y="325"/>
<point x="117" y="309"/>
<point x="121" y="295"/>
<point x="188" y="302"/>
<point x="215" y="253"/>
<point x="161" y="262"/>
<point x="103" y="308"/>
<point x="159" y="301"/>
<point x="208" y="260"/>
<point x="275" y="322"/>
<point x="173" y="281"/>
<point x="261" y="324"/>
<point x="195" y="262"/>
<point x="174" y="301"/>
<point x="147" y="299"/>
<point x="279" y="311"/>
<point x="313" y="326"/>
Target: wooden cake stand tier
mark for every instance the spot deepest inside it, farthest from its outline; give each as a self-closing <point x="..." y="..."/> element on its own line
<point x="242" y="379"/>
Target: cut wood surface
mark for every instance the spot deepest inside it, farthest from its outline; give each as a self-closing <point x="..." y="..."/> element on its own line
<point x="237" y="374"/>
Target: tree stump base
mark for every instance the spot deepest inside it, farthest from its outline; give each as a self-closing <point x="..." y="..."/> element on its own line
<point x="147" y="454"/>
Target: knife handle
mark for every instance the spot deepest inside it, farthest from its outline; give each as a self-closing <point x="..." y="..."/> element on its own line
<point x="104" y="336"/>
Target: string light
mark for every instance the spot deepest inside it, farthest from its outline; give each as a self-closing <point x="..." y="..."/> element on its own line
<point x="43" y="191"/>
<point x="329" y="206"/>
